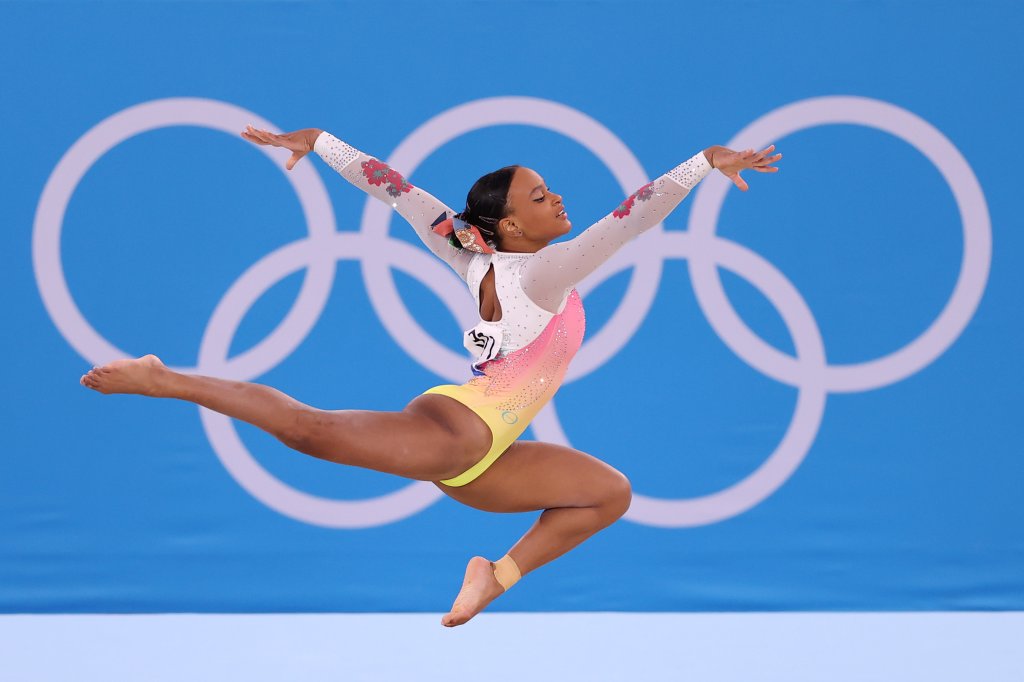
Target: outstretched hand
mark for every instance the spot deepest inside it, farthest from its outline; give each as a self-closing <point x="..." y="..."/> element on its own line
<point x="299" y="143"/>
<point x="732" y="163"/>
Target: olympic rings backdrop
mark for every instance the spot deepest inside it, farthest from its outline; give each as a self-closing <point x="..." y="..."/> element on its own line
<point x="814" y="386"/>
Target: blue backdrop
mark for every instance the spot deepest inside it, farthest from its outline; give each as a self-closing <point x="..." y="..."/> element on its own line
<point x="849" y="440"/>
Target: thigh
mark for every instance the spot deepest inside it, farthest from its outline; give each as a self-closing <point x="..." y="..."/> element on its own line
<point x="531" y="476"/>
<point x="433" y="438"/>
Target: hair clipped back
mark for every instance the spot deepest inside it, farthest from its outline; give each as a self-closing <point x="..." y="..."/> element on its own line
<point x="486" y="204"/>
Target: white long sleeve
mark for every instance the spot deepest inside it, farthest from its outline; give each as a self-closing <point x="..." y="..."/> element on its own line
<point x="554" y="270"/>
<point x="420" y="209"/>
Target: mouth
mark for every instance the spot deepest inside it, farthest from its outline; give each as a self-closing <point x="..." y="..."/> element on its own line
<point x="561" y="214"/>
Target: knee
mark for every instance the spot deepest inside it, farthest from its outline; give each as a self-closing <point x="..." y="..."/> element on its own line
<point x="618" y="496"/>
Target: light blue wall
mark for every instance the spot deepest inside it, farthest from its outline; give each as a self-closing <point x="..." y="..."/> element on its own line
<point x="898" y="486"/>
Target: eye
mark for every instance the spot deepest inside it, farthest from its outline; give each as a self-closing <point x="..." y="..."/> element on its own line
<point x="542" y="196"/>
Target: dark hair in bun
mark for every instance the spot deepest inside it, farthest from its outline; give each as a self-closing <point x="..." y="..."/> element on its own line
<point x="486" y="204"/>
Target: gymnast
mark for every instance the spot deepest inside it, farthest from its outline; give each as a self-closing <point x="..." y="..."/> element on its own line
<point x="464" y="438"/>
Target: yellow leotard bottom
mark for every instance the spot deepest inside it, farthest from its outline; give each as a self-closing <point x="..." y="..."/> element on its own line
<point x="505" y="425"/>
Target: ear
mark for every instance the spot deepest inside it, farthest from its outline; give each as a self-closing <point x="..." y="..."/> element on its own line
<point x="509" y="228"/>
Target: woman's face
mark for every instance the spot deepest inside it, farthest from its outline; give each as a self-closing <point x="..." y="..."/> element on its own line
<point x="535" y="213"/>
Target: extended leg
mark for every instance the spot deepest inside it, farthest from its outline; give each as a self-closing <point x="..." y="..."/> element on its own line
<point x="430" y="440"/>
<point x="580" y="496"/>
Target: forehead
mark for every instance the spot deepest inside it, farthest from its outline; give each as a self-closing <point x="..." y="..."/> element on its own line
<point x="526" y="180"/>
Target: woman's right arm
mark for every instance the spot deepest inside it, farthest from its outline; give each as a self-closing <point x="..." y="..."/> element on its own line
<point x="420" y="209"/>
<point x="549" y="276"/>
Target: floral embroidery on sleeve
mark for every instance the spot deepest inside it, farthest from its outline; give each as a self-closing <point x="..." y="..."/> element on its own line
<point x="642" y="194"/>
<point x="378" y="172"/>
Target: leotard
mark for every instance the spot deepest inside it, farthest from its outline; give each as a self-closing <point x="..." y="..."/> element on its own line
<point x="520" y="360"/>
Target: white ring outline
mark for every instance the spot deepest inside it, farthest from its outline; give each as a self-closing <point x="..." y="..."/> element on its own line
<point x="974" y="267"/>
<point x="104" y="136"/>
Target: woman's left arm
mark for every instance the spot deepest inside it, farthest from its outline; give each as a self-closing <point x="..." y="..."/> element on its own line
<point x="557" y="268"/>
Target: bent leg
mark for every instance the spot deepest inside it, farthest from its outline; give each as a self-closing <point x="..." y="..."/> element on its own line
<point x="579" y="494"/>
<point x="427" y="441"/>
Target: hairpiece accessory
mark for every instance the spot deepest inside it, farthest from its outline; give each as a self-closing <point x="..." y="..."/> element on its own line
<point x="468" y="235"/>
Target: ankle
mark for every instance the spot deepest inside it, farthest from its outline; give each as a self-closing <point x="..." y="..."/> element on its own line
<point x="506" y="571"/>
<point x="167" y="383"/>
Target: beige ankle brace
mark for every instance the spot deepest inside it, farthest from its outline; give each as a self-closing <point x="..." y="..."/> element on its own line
<point x="506" y="572"/>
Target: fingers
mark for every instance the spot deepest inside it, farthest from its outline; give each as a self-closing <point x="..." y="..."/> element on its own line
<point x="265" y="137"/>
<point x="762" y="157"/>
<point x="734" y="162"/>
<point x="765" y="152"/>
<point x="762" y="161"/>
<point x="296" y="142"/>
<point x="767" y="160"/>
<point x="254" y="135"/>
<point x="261" y="136"/>
<point x="258" y="132"/>
<point x="756" y="160"/>
<point x="739" y="182"/>
<point x="252" y="138"/>
<point x="294" y="160"/>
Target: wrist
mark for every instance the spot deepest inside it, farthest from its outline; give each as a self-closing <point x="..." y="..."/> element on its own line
<point x="311" y="136"/>
<point x="710" y="152"/>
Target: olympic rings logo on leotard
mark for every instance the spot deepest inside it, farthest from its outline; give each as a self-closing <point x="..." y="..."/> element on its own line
<point x="318" y="253"/>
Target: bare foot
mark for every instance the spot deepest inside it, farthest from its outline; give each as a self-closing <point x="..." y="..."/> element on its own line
<point x="140" y="376"/>
<point x="479" y="589"/>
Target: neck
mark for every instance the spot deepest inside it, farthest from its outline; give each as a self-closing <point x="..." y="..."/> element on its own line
<point x="521" y="245"/>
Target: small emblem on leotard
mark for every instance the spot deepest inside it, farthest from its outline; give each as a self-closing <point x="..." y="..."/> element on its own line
<point x="509" y="417"/>
<point x="483" y="341"/>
